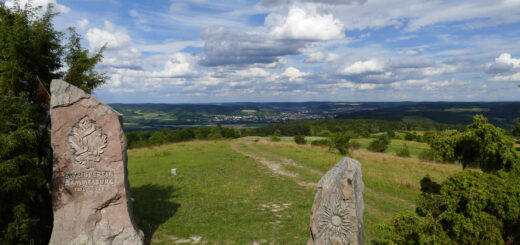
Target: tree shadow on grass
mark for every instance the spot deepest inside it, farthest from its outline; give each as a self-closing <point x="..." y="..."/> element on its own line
<point x="153" y="207"/>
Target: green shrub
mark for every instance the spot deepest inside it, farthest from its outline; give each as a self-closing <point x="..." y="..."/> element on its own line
<point x="324" y="133"/>
<point x="516" y="130"/>
<point x="404" y="152"/>
<point x="390" y="134"/>
<point x="485" y="146"/>
<point x="340" y="141"/>
<point x="409" y="136"/>
<point x="276" y="136"/>
<point x="380" y="144"/>
<point x="355" y="145"/>
<point x="427" y="155"/>
<point x="300" y="139"/>
<point x="443" y="144"/>
<point x="468" y="208"/>
<point x="365" y="134"/>
<point x="322" y="142"/>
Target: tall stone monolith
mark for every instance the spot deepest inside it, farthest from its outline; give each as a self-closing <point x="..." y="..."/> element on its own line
<point x="337" y="211"/>
<point x="91" y="194"/>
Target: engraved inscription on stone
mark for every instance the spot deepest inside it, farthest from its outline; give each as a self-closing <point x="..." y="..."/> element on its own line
<point x="90" y="190"/>
<point x="88" y="181"/>
<point x="335" y="221"/>
<point x="87" y="142"/>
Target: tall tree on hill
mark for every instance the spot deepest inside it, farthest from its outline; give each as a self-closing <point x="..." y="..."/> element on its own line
<point x="31" y="55"/>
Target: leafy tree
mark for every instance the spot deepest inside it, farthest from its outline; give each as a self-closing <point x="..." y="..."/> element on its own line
<point x="380" y="144"/>
<point x="354" y="144"/>
<point x="340" y="141"/>
<point x="516" y="130"/>
<point x="321" y="142"/>
<point x="427" y="155"/>
<point x="216" y="132"/>
<point x="231" y="133"/>
<point x="276" y="136"/>
<point x="81" y="71"/>
<point x="404" y="152"/>
<point x="300" y="139"/>
<point x="429" y="136"/>
<point x="161" y="137"/>
<point x="30" y="48"/>
<point x="409" y="136"/>
<point x="390" y="134"/>
<point x="485" y="146"/>
<point x="324" y="133"/>
<point x="443" y="145"/>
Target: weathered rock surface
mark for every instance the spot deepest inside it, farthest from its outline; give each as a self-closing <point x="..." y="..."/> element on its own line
<point x="91" y="198"/>
<point x="337" y="211"/>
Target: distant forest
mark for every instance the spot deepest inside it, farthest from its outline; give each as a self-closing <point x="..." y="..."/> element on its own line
<point x="324" y="128"/>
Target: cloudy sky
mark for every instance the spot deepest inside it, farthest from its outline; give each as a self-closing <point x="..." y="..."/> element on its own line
<point x="195" y="51"/>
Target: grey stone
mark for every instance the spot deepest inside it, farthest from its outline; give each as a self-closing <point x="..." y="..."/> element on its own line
<point x="91" y="194"/>
<point x="337" y="211"/>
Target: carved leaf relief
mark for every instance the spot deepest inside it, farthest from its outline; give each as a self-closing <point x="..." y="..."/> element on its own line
<point x="87" y="142"/>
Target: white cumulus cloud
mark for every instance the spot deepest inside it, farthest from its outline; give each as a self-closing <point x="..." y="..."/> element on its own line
<point x="305" y="24"/>
<point x="112" y="36"/>
<point x="179" y="64"/>
<point x="505" y="78"/>
<point x="507" y="59"/>
<point x="314" y="57"/>
<point x="82" y="24"/>
<point x="294" y="74"/>
<point x="331" y="57"/>
<point x="374" y="65"/>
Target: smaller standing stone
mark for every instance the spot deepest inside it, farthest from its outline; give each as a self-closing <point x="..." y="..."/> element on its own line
<point x="174" y="171"/>
<point x="337" y="211"/>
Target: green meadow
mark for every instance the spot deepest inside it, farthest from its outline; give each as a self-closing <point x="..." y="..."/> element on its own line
<point x="253" y="191"/>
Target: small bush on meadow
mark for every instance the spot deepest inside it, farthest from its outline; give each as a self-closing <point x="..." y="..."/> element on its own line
<point x="380" y="144"/>
<point x="390" y="134"/>
<point x="404" y="151"/>
<point x="322" y="142"/>
<point x="427" y="155"/>
<point x="276" y="136"/>
<point x="300" y="140"/>
<point x="355" y="145"/>
<point x="340" y="141"/>
<point x="324" y="133"/>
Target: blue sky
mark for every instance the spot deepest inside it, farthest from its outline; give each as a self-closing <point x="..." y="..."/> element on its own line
<point x="197" y="51"/>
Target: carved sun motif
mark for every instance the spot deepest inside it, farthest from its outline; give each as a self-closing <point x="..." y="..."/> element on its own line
<point x="334" y="221"/>
<point x="87" y="142"/>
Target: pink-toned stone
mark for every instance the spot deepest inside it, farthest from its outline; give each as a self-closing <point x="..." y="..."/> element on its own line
<point x="91" y="194"/>
<point x="337" y="211"/>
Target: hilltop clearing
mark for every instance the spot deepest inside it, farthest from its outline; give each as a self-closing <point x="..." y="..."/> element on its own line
<point x="251" y="190"/>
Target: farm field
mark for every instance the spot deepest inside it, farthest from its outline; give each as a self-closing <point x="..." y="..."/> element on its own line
<point x="253" y="191"/>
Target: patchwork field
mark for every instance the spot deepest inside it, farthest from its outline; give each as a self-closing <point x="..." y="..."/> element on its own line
<point x="252" y="191"/>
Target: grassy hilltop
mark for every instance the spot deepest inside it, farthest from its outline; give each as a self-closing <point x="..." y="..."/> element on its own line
<point x="250" y="190"/>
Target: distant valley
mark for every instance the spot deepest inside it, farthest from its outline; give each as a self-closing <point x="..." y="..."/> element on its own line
<point x="158" y="116"/>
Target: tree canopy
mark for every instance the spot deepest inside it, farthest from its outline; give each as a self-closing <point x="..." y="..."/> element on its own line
<point x="32" y="53"/>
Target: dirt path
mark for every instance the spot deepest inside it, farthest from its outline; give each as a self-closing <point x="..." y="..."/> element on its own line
<point x="276" y="167"/>
<point x="288" y="161"/>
